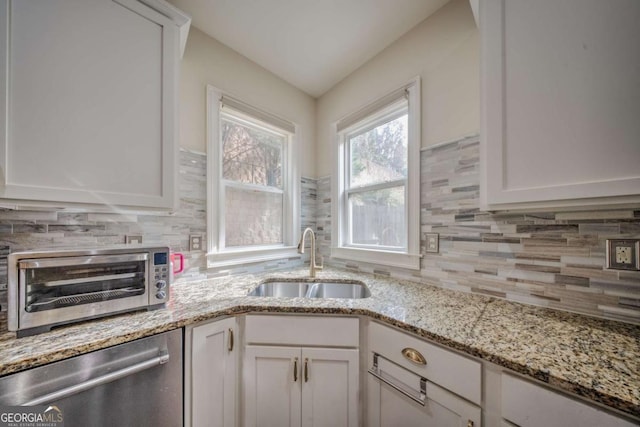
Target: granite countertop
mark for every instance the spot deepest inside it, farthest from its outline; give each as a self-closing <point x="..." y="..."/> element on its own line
<point x="595" y="358"/>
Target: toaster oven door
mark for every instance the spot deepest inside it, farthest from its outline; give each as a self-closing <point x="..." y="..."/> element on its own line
<point x="57" y="290"/>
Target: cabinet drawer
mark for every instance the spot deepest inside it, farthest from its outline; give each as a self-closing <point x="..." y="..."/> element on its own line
<point x="302" y="330"/>
<point x="529" y="405"/>
<point x="456" y="373"/>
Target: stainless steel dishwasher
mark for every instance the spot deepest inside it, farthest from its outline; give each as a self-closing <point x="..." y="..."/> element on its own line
<point x="133" y="384"/>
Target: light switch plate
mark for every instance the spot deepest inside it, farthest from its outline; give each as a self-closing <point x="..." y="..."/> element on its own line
<point x="623" y="254"/>
<point x="433" y="242"/>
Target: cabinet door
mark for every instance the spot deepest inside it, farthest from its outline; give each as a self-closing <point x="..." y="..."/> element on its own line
<point x="560" y="102"/>
<point x="329" y="387"/>
<point x="389" y="408"/>
<point x="272" y="391"/>
<point x="213" y="375"/>
<point x="529" y="405"/>
<point x="88" y="109"/>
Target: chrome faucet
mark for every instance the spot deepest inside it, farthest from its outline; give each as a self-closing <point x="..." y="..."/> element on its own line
<point x="312" y="257"/>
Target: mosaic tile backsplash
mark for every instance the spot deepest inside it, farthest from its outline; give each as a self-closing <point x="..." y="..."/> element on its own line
<point x="28" y="230"/>
<point x="551" y="259"/>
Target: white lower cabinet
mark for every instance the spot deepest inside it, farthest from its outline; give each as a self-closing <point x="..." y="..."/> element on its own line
<point x="329" y="387"/>
<point x="304" y="371"/>
<point x="211" y="371"/>
<point x="272" y="392"/>
<point x="310" y="387"/>
<point x="407" y="379"/>
<point x="390" y="408"/>
<point x="529" y="405"/>
<point x="304" y="382"/>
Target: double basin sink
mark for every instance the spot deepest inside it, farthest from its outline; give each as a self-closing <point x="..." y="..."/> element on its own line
<point x="319" y="289"/>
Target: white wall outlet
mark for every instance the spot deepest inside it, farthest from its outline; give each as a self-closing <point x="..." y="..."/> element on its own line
<point x="623" y="254"/>
<point x="433" y="242"/>
<point x="131" y="239"/>
<point x="195" y="242"/>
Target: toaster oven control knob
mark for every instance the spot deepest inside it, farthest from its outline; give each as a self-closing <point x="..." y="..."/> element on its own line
<point x="161" y="284"/>
<point x="161" y="294"/>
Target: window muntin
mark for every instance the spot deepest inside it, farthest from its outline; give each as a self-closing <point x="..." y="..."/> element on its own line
<point x="376" y="180"/>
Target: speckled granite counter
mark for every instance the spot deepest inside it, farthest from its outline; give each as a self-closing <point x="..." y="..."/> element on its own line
<point x="595" y="358"/>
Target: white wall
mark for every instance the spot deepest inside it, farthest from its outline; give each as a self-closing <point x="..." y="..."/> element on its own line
<point x="207" y="61"/>
<point x="444" y="51"/>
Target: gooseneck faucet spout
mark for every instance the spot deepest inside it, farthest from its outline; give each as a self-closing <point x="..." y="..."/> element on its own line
<point x="312" y="257"/>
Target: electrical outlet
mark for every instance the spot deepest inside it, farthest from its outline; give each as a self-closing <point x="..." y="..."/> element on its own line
<point x="195" y="242"/>
<point x="133" y="239"/>
<point x="433" y="242"/>
<point x="623" y="254"/>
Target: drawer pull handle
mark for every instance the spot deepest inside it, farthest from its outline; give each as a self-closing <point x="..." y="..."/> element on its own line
<point x="414" y="356"/>
<point x="306" y="370"/>
<point x="295" y="369"/>
<point x="230" y="344"/>
<point x="420" y="399"/>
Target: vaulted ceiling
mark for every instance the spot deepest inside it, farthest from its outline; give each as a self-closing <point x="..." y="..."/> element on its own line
<point x="312" y="44"/>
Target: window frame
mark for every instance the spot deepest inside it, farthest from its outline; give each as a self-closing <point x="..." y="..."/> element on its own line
<point x="218" y="255"/>
<point x="380" y="117"/>
<point x="409" y="256"/>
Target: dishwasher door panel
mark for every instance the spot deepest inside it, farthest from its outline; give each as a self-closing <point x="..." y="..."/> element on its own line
<point x="132" y="384"/>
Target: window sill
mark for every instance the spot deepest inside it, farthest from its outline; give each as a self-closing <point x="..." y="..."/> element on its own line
<point x="237" y="257"/>
<point x="388" y="258"/>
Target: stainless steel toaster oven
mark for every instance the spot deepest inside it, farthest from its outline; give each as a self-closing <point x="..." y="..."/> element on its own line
<point x="50" y="288"/>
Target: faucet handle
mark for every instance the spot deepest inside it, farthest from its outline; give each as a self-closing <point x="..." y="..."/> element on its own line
<point x="321" y="266"/>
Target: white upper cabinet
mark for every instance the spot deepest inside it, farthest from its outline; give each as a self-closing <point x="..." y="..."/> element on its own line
<point x="89" y="111"/>
<point x="560" y="103"/>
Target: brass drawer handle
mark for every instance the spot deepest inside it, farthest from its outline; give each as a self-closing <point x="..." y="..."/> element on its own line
<point x="230" y="343"/>
<point x="414" y="356"/>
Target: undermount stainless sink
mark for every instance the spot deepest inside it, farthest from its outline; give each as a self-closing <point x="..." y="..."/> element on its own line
<point x="320" y="289"/>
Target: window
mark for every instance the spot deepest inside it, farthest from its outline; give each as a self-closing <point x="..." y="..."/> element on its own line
<point x="377" y="176"/>
<point x="253" y="205"/>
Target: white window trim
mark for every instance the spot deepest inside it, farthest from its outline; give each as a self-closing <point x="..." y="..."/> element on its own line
<point x="217" y="258"/>
<point x="409" y="259"/>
